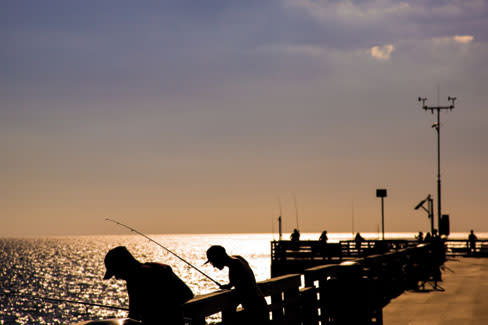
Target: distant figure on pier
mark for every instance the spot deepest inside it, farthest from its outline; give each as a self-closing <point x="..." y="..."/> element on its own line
<point x="472" y="242"/>
<point x="323" y="237"/>
<point x="358" y="239"/>
<point x="241" y="277"/>
<point x="295" y="235"/>
<point x="156" y="294"/>
<point x="435" y="234"/>
<point x="428" y="238"/>
<point x="420" y="237"/>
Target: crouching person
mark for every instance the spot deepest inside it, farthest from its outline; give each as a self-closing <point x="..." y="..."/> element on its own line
<point x="156" y="294"/>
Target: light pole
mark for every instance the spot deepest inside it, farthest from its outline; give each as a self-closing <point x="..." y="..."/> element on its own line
<point x="381" y="192"/>
<point x="437" y="127"/>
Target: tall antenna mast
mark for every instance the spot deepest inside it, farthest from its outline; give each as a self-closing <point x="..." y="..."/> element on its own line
<point x="437" y="127"/>
<point x="296" y="210"/>
<point x="352" y="218"/>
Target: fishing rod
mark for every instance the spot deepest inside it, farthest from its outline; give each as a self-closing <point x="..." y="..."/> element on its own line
<point x="296" y="210"/>
<point x="167" y="249"/>
<point x="26" y="296"/>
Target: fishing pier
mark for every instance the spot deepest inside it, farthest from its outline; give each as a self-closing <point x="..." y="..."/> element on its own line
<point x="354" y="283"/>
<point x="353" y="286"/>
<point x="295" y="256"/>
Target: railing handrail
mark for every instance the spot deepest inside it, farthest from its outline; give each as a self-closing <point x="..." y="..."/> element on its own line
<point x="291" y="302"/>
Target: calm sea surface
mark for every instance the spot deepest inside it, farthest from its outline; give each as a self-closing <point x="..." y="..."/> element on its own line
<point x="72" y="268"/>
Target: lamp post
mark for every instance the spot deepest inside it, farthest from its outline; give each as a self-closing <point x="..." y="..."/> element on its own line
<point x="437" y="127"/>
<point x="382" y="194"/>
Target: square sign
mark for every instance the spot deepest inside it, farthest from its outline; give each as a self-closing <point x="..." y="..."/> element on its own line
<point x="381" y="192"/>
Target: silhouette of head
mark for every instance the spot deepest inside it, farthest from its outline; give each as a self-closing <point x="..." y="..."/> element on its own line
<point x="118" y="262"/>
<point x="217" y="256"/>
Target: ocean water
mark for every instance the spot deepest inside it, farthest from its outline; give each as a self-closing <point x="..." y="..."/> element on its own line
<point x="72" y="268"/>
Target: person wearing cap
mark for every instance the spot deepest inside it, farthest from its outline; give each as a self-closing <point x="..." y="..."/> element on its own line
<point x="156" y="294"/>
<point x="241" y="277"/>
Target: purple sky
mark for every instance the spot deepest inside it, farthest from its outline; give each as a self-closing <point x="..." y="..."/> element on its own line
<point x="191" y="116"/>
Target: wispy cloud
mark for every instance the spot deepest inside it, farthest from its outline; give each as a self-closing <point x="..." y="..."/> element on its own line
<point x="295" y="50"/>
<point x="350" y="9"/>
<point x="382" y="52"/>
<point x="463" y="38"/>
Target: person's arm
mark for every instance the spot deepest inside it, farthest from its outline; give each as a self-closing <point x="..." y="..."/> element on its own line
<point x="227" y="286"/>
<point x="133" y="303"/>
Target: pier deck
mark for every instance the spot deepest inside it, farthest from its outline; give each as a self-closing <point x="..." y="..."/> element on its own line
<point x="464" y="301"/>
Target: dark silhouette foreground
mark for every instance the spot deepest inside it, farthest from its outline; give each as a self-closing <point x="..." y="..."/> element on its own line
<point x="241" y="277"/>
<point x="156" y="294"/>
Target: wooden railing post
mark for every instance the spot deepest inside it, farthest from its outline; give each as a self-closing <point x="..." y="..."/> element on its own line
<point x="308" y="303"/>
<point x="277" y="308"/>
<point x="292" y="306"/>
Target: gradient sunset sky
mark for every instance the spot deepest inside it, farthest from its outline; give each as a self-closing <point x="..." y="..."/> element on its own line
<point x="200" y="116"/>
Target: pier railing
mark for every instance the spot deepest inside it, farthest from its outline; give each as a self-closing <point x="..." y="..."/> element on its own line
<point x="283" y="292"/>
<point x="296" y="256"/>
<point x="461" y="247"/>
<point x="351" y="292"/>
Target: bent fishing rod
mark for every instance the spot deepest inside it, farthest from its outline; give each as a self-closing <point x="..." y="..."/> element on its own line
<point x="31" y="296"/>
<point x="165" y="248"/>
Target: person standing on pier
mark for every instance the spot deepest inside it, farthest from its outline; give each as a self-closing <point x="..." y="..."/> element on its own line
<point x="420" y="237"/>
<point x="472" y="242"/>
<point x="156" y="294"/>
<point x="323" y="237"/>
<point x="295" y="235"/>
<point x="241" y="277"/>
<point x="358" y="239"/>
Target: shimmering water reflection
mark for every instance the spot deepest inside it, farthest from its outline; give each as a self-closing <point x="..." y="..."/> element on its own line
<point x="72" y="268"/>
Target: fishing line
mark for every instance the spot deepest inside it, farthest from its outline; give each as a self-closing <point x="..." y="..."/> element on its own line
<point x="168" y="250"/>
<point x="25" y="296"/>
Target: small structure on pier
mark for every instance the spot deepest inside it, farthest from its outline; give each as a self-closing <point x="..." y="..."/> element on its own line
<point x="296" y="256"/>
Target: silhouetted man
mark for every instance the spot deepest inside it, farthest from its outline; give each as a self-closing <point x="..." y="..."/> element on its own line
<point x="323" y="237"/>
<point x="295" y="235"/>
<point x="358" y="239"/>
<point x="242" y="278"/>
<point x="156" y="294"/>
<point x="472" y="242"/>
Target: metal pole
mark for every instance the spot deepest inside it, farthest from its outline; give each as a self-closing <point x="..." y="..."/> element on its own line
<point x="279" y="227"/>
<point x="438" y="128"/>
<point x="431" y="214"/>
<point x="382" y="219"/>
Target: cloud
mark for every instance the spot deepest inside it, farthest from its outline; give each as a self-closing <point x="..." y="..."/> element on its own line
<point x="382" y="52"/>
<point x="294" y="50"/>
<point x="463" y="38"/>
<point x="348" y="9"/>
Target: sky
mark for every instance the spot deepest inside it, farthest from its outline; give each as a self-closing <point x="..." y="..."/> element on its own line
<point x="218" y="116"/>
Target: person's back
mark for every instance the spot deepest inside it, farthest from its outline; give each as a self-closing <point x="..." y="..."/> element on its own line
<point x="242" y="278"/>
<point x="156" y="294"/>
